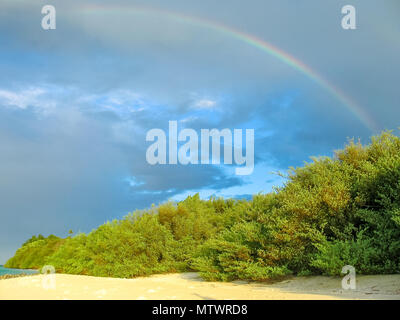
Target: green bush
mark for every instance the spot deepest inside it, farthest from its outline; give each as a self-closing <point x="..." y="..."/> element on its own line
<point x="34" y="252"/>
<point x="331" y="212"/>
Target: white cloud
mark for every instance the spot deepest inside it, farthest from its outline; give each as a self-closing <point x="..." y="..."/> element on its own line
<point x="205" y="104"/>
<point x="46" y="98"/>
<point x="21" y="99"/>
<point x="36" y="97"/>
<point x="122" y="102"/>
<point x="188" y="119"/>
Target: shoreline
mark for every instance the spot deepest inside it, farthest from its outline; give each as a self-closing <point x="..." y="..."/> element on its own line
<point x="19" y="275"/>
<point x="189" y="286"/>
<point x="8" y="273"/>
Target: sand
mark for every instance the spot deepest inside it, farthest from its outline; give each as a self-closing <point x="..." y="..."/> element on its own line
<point x="190" y="286"/>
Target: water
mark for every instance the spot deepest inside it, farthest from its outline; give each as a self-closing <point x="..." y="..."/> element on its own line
<point x="4" y="271"/>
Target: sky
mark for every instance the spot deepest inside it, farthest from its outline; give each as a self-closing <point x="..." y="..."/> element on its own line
<point x="76" y="102"/>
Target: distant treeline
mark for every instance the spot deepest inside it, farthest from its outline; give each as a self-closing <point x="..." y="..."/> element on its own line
<point x="330" y="213"/>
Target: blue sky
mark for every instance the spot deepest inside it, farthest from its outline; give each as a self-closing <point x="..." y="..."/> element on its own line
<point x="76" y="102"/>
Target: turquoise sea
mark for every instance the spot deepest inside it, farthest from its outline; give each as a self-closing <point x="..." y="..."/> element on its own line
<point x="4" y="271"/>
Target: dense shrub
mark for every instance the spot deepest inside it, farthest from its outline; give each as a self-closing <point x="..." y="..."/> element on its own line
<point x="34" y="252"/>
<point x="332" y="212"/>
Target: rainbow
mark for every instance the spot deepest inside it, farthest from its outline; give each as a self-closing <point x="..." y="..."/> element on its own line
<point x="251" y="40"/>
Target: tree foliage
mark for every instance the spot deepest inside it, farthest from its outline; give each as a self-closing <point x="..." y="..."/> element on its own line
<point x="331" y="212"/>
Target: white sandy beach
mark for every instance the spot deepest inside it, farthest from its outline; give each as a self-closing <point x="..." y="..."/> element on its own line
<point x="190" y="286"/>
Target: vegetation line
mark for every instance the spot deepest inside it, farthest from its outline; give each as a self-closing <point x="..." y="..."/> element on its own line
<point x="332" y="212"/>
